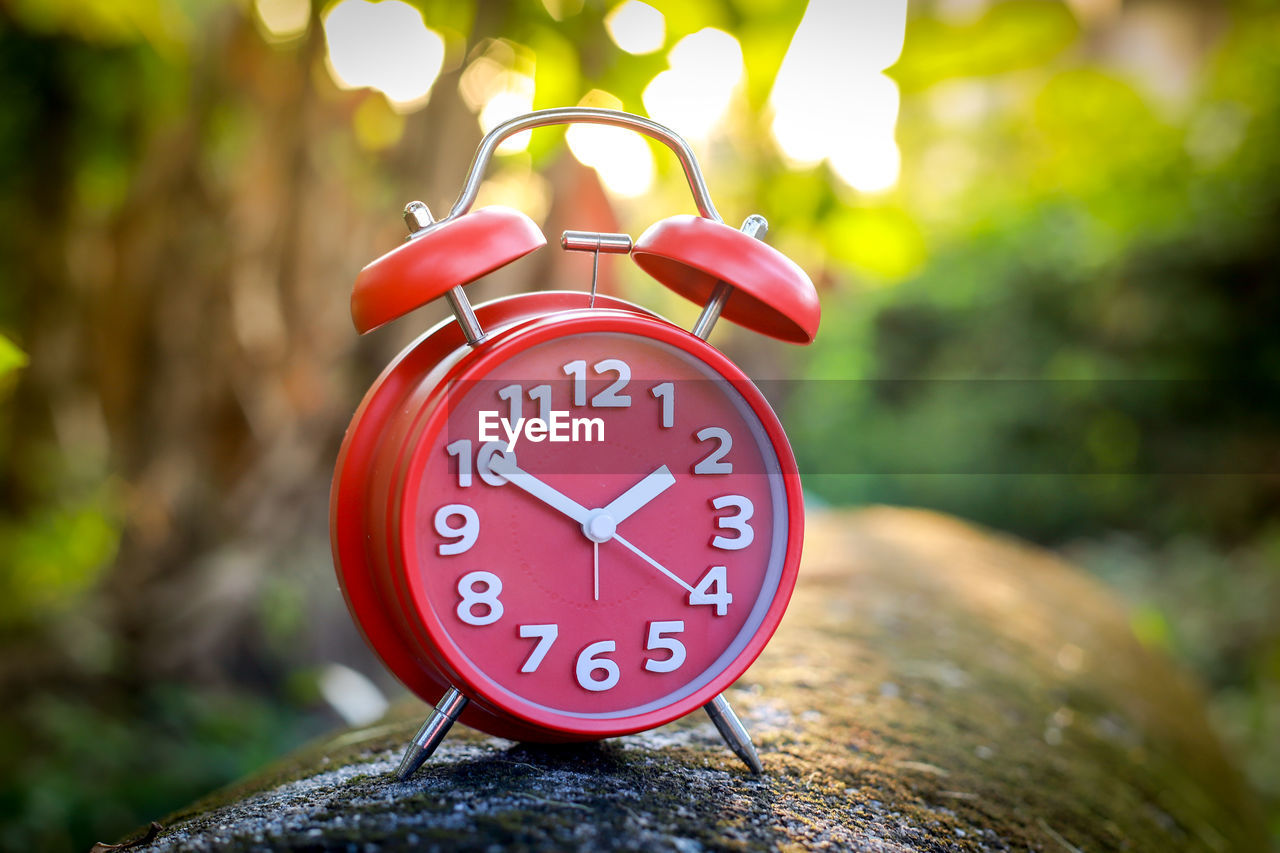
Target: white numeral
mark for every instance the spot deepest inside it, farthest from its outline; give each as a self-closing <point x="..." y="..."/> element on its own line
<point x="588" y="664"/>
<point x="609" y="398"/>
<point x="515" y="406"/>
<point x="578" y="370"/>
<point x="487" y="598"/>
<point x="541" y="394"/>
<point x="485" y="456"/>
<point x="465" y="534"/>
<point x="546" y="635"/>
<point x="713" y="589"/>
<point x="461" y="449"/>
<point x="746" y="535"/>
<point x="671" y="644"/>
<point x="711" y="463"/>
<point x="666" y="392"/>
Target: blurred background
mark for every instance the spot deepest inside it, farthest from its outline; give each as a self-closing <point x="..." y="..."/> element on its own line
<point x="1046" y="235"/>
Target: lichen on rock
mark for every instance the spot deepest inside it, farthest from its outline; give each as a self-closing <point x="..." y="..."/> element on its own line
<point x="932" y="687"/>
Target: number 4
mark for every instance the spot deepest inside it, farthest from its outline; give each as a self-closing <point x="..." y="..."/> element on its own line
<point x="713" y="589"/>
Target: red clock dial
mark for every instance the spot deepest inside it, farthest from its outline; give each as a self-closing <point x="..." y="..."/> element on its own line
<point x="592" y="523"/>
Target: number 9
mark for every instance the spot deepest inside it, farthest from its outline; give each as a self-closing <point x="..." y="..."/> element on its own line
<point x="465" y="535"/>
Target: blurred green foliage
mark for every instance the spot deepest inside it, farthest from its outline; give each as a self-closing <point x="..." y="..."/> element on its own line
<point x="1061" y="322"/>
<point x="1088" y="353"/>
<point x="80" y="773"/>
<point x="11" y="358"/>
<point x="52" y="559"/>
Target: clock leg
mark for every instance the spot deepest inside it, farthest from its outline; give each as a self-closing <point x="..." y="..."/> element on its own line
<point x="433" y="731"/>
<point x="733" y="732"/>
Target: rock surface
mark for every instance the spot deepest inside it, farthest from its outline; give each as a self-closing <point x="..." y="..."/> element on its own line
<point x="932" y="687"/>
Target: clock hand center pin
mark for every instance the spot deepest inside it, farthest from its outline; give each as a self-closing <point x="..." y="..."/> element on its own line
<point x="599" y="526"/>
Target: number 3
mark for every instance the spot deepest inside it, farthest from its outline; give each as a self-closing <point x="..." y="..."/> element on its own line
<point x="737" y="521"/>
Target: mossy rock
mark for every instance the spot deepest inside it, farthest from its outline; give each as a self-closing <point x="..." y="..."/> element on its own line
<point x="932" y="687"/>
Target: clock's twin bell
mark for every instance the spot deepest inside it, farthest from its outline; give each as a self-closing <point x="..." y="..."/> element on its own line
<point x="727" y="270"/>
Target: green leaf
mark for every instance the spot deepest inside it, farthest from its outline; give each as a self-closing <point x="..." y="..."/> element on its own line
<point x="12" y="358"/>
<point x="1010" y="36"/>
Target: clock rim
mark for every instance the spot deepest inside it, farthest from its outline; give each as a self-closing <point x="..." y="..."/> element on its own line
<point x="420" y="617"/>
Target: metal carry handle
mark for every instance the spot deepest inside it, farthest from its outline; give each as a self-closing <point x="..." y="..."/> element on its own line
<point x="585" y="115"/>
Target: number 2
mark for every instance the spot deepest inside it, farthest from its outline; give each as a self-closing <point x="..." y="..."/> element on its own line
<point x="712" y="463"/>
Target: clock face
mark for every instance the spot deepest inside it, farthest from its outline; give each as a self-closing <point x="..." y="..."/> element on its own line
<point x="595" y="526"/>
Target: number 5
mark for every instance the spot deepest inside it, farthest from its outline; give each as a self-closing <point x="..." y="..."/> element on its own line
<point x="671" y="644"/>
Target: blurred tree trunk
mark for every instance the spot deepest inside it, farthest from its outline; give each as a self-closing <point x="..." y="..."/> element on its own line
<point x="200" y="329"/>
<point x="194" y="333"/>
<point x="225" y="355"/>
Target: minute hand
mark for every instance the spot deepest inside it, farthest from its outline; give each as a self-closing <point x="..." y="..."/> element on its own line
<point x="525" y="481"/>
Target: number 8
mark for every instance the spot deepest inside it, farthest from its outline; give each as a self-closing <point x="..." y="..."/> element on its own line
<point x="470" y="598"/>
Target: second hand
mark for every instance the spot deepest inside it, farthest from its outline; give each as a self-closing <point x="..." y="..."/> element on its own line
<point x="642" y="555"/>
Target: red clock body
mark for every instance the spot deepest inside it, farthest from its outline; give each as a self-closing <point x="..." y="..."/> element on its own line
<point x="590" y="523"/>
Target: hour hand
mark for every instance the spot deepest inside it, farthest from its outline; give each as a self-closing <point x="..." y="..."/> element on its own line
<point x="640" y="494"/>
<point x="504" y="465"/>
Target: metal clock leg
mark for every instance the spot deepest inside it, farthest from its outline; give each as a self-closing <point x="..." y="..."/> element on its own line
<point x="433" y="731"/>
<point x="733" y="732"/>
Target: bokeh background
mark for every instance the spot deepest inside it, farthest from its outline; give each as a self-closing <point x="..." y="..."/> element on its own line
<point x="1046" y="236"/>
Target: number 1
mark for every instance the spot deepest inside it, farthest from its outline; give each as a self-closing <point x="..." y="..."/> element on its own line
<point x="666" y="392"/>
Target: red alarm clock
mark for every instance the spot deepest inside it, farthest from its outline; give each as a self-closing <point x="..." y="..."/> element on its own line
<point x="562" y="517"/>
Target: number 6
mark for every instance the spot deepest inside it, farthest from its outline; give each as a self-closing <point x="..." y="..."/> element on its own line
<point x="588" y="663"/>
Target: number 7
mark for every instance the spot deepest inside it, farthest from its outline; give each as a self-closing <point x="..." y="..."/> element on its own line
<point x="546" y="635"/>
